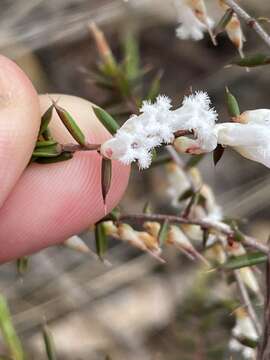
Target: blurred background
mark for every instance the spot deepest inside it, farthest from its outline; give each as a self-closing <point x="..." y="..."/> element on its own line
<point x="134" y="308"/>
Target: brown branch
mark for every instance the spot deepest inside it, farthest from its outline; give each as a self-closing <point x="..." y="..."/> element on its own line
<point x="76" y="147"/>
<point x="264" y="347"/>
<point x="203" y="223"/>
<point x="251" y="22"/>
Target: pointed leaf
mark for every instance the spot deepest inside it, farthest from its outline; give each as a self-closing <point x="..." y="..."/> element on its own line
<point x="49" y="343"/>
<point x="223" y="22"/>
<point x="22" y="265"/>
<point x="154" y="87"/>
<point x="64" y="156"/>
<point x="253" y="60"/>
<point x="70" y="124"/>
<point x="47" y="134"/>
<point x="232" y="104"/>
<point x="106" y="177"/>
<point x="246" y="341"/>
<point x="115" y="213"/>
<point x="47" y="151"/>
<point x="106" y="119"/>
<point x="101" y="240"/>
<point x="217" y="154"/>
<point x="132" y="56"/>
<point x="45" y="119"/>
<point x="163" y="233"/>
<point x="8" y="332"/>
<point x="186" y="195"/>
<point x="248" y="259"/>
<point x="45" y="143"/>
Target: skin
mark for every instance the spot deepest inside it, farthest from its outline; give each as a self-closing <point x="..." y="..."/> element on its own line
<point x="42" y="205"/>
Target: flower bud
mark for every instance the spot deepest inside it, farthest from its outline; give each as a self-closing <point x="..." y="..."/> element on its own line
<point x="178" y="238"/>
<point x="216" y="253"/>
<point x="152" y="227"/>
<point x="193" y="232"/>
<point x="140" y="239"/>
<point x="77" y="244"/>
<point x="110" y="229"/>
<point x="248" y="277"/>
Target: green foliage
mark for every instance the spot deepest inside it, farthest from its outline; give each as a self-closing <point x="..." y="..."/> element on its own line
<point x="101" y="240"/>
<point x="253" y="60"/>
<point x="8" y="332"/>
<point x="49" y="343"/>
<point x="249" y="259"/>
<point x="107" y="120"/>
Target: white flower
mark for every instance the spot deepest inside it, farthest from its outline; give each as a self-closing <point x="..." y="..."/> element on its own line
<point x="234" y="30"/>
<point x="251" y="139"/>
<point x="157" y="124"/>
<point x="243" y="328"/>
<point x="193" y="19"/>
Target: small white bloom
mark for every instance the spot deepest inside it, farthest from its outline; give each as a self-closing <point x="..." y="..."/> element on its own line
<point x="234" y="30"/>
<point x="250" y="139"/>
<point x="243" y="328"/>
<point x="193" y="19"/>
<point x="157" y="124"/>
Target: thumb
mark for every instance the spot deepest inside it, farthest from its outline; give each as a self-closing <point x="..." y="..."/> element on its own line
<point x="54" y="201"/>
<point x="19" y="124"/>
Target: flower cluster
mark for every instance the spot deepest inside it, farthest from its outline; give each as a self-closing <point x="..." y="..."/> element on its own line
<point x="193" y="19"/>
<point x="249" y="135"/>
<point x="158" y="123"/>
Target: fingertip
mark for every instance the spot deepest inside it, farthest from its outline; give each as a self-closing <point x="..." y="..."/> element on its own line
<point x="19" y="123"/>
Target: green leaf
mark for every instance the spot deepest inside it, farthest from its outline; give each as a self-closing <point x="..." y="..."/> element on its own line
<point x="154" y="88"/>
<point x="47" y="134"/>
<point x="64" y="156"/>
<point x="163" y="233"/>
<point x="247" y="341"/>
<point x="132" y="56"/>
<point x="253" y="60"/>
<point x="47" y="151"/>
<point x="8" y="332"/>
<point x="45" y="119"/>
<point x="106" y="177"/>
<point x="217" y="153"/>
<point x="22" y="265"/>
<point x="232" y="104"/>
<point x="70" y="124"/>
<point x="115" y="213"/>
<point x="106" y="119"/>
<point x="49" y="343"/>
<point x="186" y="195"/>
<point x="195" y="198"/>
<point x="45" y="143"/>
<point x="249" y="259"/>
<point x="223" y="22"/>
<point x="101" y="240"/>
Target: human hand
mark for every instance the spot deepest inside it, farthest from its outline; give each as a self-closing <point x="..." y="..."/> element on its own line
<point x="42" y="205"/>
